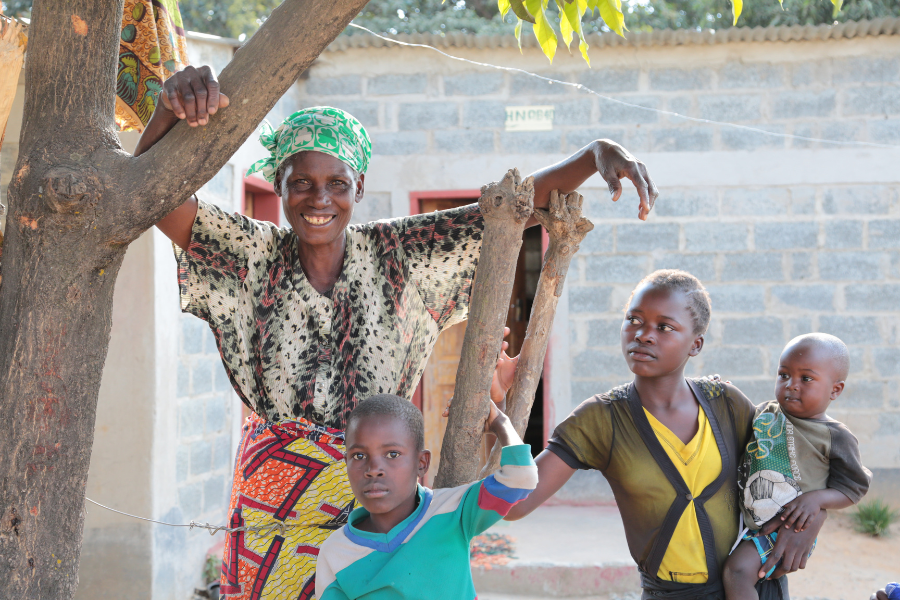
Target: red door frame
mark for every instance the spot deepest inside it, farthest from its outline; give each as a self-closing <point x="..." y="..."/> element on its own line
<point x="415" y="208"/>
<point x="267" y="204"/>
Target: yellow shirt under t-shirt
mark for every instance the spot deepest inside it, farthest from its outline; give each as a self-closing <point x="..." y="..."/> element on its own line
<point x="699" y="463"/>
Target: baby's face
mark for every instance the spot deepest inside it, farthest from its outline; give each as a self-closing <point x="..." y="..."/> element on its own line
<point x="807" y="381"/>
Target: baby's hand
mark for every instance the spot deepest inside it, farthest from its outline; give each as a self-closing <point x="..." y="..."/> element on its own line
<point x="800" y="511"/>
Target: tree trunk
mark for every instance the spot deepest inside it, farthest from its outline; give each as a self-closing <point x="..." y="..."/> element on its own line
<point x="76" y="202"/>
<point x="566" y="228"/>
<point x="505" y="206"/>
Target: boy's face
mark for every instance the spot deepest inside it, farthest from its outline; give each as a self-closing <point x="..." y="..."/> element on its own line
<point x="807" y="381"/>
<point x="658" y="332"/>
<point x="383" y="465"/>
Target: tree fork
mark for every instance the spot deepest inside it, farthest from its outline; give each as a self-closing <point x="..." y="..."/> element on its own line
<point x="566" y="228"/>
<point x="506" y="207"/>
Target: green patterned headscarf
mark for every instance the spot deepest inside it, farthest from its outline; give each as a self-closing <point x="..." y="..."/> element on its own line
<point x="331" y="131"/>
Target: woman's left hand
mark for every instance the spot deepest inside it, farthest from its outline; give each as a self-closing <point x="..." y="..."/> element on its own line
<point x="793" y="548"/>
<point x="615" y="162"/>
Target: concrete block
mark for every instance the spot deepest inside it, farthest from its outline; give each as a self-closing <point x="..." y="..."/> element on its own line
<point x="201" y="457"/>
<point x="687" y="203"/>
<point x="804" y="297"/>
<point x="851" y="329"/>
<point x="222" y="457"/>
<point x="799" y="326"/>
<point x="190" y="418"/>
<point x="183" y="382"/>
<point x="733" y="362"/>
<point x="427" y="115"/>
<point x="884" y="131"/>
<point x="604" y="332"/>
<point x="757" y="390"/>
<point x="214" y="494"/>
<point x="739" y="139"/>
<point x="593" y="299"/>
<point x="716" y="237"/>
<point x="531" y="142"/>
<point x="844" y="266"/>
<point x="842" y="131"/>
<point x="782" y="236"/>
<point x="738" y="298"/>
<point x="202" y="374"/>
<point x="221" y="381"/>
<point x="576" y="139"/>
<point x="182" y="462"/>
<point x="192" y="334"/>
<point x="217" y="414"/>
<point x="637" y="139"/>
<point x="190" y="499"/>
<point x="472" y="84"/>
<point x="583" y="390"/>
<point x="807" y="74"/>
<point x="865" y="70"/>
<point x="573" y="112"/>
<point x="806" y="130"/>
<point x="615" y="113"/>
<point x="683" y="139"/>
<point x="602" y="363"/>
<point x="622" y="268"/>
<point x="680" y="79"/>
<point x="887" y="361"/>
<point x="348" y="85"/>
<point x="477" y="141"/>
<point x="801" y="266"/>
<point x="403" y="142"/>
<point x="598" y="205"/>
<point x="730" y="107"/>
<point x="803" y="200"/>
<point x="755" y="202"/>
<point x="867" y="297"/>
<point x="643" y="237"/>
<point x="754" y="266"/>
<point x="598" y="240"/>
<point x="387" y="85"/>
<point x="797" y="105"/>
<point x="375" y="206"/>
<point x="525" y="85"/>
<point x="366" y="112"/>
<point x="841" y="235"/>
<point x="735" y="75"/>
<point x="752" y="331"/>
<point x="884" y="234"/>
<point x="607" y="81"/>
<point x="881" y="101"/>
<point x="484" y="113"/>
<point x="859" y="393"/>
<point x="683" y="105"/>
<point x="701" y="266"/>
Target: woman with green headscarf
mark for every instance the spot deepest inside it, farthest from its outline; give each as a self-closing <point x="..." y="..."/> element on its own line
<point x="313" y="318"/>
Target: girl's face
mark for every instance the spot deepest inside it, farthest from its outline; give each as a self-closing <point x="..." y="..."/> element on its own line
<point x="658" y="333"/>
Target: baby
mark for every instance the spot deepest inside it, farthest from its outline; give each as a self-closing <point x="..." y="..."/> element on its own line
<point x="800" y="461"/>
<point x="407" y="541"/>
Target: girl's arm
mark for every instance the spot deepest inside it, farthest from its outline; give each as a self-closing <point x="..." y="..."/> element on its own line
<point x="606" y="157"/>
<point x="553" y="473"/>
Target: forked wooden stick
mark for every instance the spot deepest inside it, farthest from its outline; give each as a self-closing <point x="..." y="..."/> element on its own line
<point x="506" y="207"/>
<point x="566" y="227"/>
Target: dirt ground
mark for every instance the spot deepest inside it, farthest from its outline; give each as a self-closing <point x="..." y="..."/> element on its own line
<point x="847" y="565"/>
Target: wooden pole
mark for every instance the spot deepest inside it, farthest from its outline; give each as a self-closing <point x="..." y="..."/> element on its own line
<point x="506" y="207"/>
<point x="566" y="228"/>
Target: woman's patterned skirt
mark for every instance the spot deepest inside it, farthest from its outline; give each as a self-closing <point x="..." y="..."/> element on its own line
<point x="290" y="492"/>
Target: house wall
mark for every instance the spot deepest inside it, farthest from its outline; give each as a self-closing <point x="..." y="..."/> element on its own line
<point x="789" y="235"/>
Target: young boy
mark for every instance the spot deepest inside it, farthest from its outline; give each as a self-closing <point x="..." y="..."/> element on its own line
<point x="407" y="541"/>
<point x="800" y="461"/>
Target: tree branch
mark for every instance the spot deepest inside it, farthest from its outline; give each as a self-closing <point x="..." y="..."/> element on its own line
<point x="161" y="179"/>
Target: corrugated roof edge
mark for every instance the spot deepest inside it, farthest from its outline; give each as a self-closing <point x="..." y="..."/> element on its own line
<point x="664" y="37"/>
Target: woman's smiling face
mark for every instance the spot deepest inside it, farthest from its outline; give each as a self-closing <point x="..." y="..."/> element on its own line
<point x="318" y="192"/>
<point x="658" y="332"/>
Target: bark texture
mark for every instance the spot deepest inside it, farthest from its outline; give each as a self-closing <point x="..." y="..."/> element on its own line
<point x="506" y="206"/>
<point x="76" y="201"/>
<point x="566" y="228"/>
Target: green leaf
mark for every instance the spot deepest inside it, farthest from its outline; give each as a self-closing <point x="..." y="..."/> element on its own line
<point x="611" y="13"/>
<point x="570" y="18"/>
<point x="543" y="31"/>
<point x="503" y="5"/>
<point x="837" y="7"/>
<point x="518" y="8"/>
<point x="738" y="6"/>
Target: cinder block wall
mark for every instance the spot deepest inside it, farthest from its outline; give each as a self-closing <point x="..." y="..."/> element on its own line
<point x="788" y="244"/>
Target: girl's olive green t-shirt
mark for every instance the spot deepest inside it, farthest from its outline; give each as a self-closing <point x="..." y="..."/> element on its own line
<point x="610" y="433"/>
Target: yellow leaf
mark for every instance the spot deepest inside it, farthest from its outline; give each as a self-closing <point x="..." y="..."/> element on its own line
<point x="518" y="8"/>
<point x="611" y="13"/>
<point x="837" y="7"/>
<point x="518" y="32"/>
<point x="572" y="15"/>
<point x="565" y="27"/>
<point x="543" y="31"/>
<point x="503" y="5"/>
<point x="738" y="6"/>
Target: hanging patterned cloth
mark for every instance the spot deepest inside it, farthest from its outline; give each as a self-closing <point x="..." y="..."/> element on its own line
<point x="152" y="47"/>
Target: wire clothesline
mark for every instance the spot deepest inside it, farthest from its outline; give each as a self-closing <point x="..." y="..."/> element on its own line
<point x="584" y="88"/>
